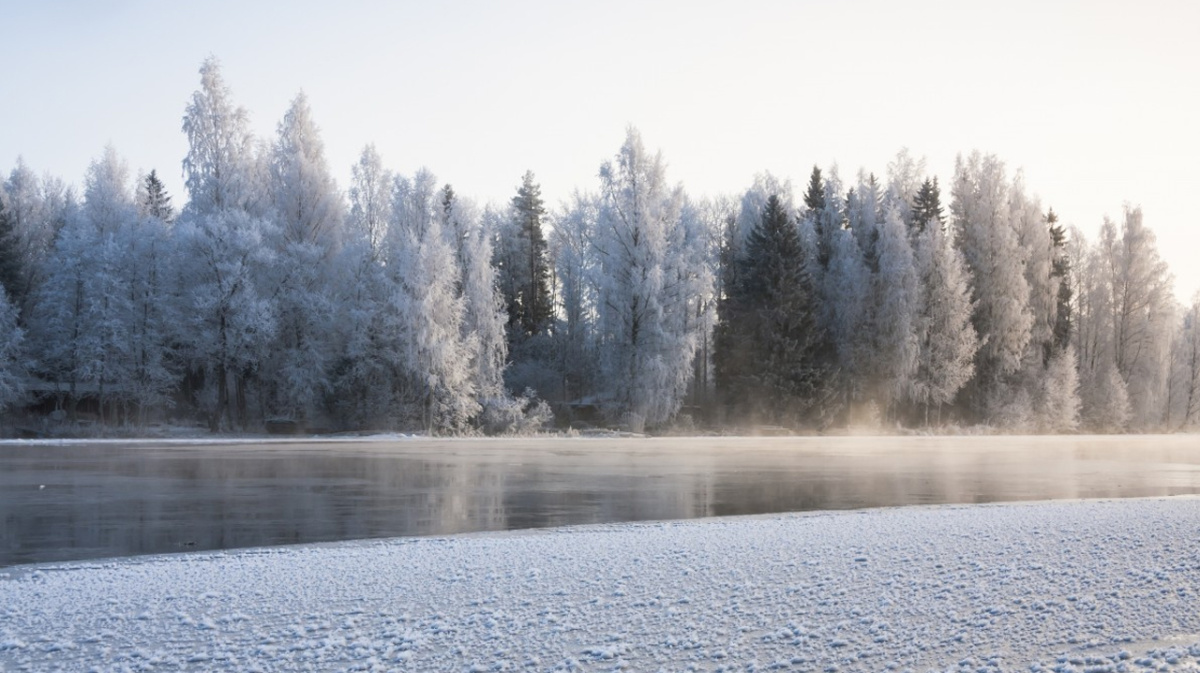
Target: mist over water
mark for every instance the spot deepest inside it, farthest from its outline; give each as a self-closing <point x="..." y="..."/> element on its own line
<point x="64" y="502"/>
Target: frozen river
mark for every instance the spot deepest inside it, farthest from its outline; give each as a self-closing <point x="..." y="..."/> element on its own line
<point x="79" y="501"/>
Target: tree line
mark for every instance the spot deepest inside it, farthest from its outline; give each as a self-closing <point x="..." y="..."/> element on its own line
<point x="400" y="304"/>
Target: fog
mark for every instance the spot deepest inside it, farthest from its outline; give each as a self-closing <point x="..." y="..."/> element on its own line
<point x="81" y="501"/>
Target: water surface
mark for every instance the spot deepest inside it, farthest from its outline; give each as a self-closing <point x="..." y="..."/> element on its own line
<point x="81" y="501"/>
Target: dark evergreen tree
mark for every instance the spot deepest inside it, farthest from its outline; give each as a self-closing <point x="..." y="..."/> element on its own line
<point x="155" y="201"/>
<point x="927" y="206"/>
<point x="769" y="326"/>
<point x="814" y="205"/>
<point x="1061" y="269"/>
<point x="11" y="274"/>
<point x="530" y="308"/>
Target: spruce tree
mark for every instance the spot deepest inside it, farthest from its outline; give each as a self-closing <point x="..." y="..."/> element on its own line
<point x="531" y="309"/>
<point x="770" y="319"/>
<point x="1062" y="271"/>
<point x="154" y="200"/>
<point x="814" y="204"/>
<point x="11" y="277"/>
<point x="927" y="206"/>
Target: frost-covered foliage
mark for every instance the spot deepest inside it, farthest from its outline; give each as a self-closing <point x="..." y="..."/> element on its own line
<point x="570" y="246"/>
<point x="227" y="322"/>
<point x="271" y="295"/>
<point x="437" y="351"/>
<point x="946" y="338"/>
<point x="1185" y="369"/>
<point x="990" y="241"/>
<point x="646" y="278"/>
<point x="219" y="169"/>
<point x="103" y="314"/>
<point x="370" y="201"/>
<point x="308" y="217"/>
<point x="1059" y="403"/>
<point x="895" y="295"/>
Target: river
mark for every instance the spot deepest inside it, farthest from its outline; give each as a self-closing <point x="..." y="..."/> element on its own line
<point x="94" y="500"/>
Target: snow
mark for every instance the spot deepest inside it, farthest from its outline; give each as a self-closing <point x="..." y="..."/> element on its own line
<point x="1101" y="586"/>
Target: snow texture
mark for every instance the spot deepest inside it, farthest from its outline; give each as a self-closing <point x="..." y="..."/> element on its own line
<point x="1101" y="586"/>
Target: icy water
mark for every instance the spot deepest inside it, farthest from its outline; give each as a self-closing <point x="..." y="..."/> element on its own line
<point x="82" y="501"/>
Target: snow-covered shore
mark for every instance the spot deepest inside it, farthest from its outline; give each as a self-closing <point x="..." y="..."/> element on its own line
<point x="1067" y="586"/>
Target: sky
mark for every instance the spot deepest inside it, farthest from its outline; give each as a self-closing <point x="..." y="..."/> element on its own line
<point x="1094" y="102"/>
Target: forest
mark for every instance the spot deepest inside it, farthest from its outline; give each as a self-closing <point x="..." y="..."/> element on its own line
<point x="272" y="299"/>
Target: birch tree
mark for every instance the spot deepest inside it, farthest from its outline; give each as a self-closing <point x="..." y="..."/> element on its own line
<point x="645" y="265"/>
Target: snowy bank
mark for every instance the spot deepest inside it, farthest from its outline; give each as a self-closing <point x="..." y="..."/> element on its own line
<point x="1067" y="586"/>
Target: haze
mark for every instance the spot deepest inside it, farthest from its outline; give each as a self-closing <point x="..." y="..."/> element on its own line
<point x="1092" y="99"/>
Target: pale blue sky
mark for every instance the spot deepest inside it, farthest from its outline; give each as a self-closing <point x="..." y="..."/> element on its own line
<point x="1096" y="101"/>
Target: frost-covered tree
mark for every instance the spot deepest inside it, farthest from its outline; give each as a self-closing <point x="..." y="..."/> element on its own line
<point x="645" y="276"/>
<point x="574" y="269"/>
<point x="1037" y="249"/>
<point x="228" y="244"/>
<point x="368" y="368"/>
<point x="1186" y="363"/>
<point x="903" y="187"/>
<point x="219" y="170"/>
<point x="893" y="314"/>
<point x="1105" y="402"/>
<point x="864" y="213"/>
<point x="227" y="323"/>
<point x="1058" y="399"/>
<point x="308" y="213"/>
<point x="845" y="292"/>
<point x="36" y="209"/>
<point x="983" y="223"/>
<point x="1142" y="314"/>
<point x="84" y="309"/>
<point x="485" y="316"/>
<point x="305" y="197"/>
<point x="370" y="200"/>
<point x="946" y="338"/>
<point x="438" y="353"/>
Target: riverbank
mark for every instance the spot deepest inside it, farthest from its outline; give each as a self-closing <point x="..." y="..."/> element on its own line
<point x="1067" y="586"/>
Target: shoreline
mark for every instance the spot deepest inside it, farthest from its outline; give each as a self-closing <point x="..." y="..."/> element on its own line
<point x="1010" y="586"/>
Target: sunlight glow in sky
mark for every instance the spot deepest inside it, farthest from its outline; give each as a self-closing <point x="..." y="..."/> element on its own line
<point x="1095" y="101"/>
